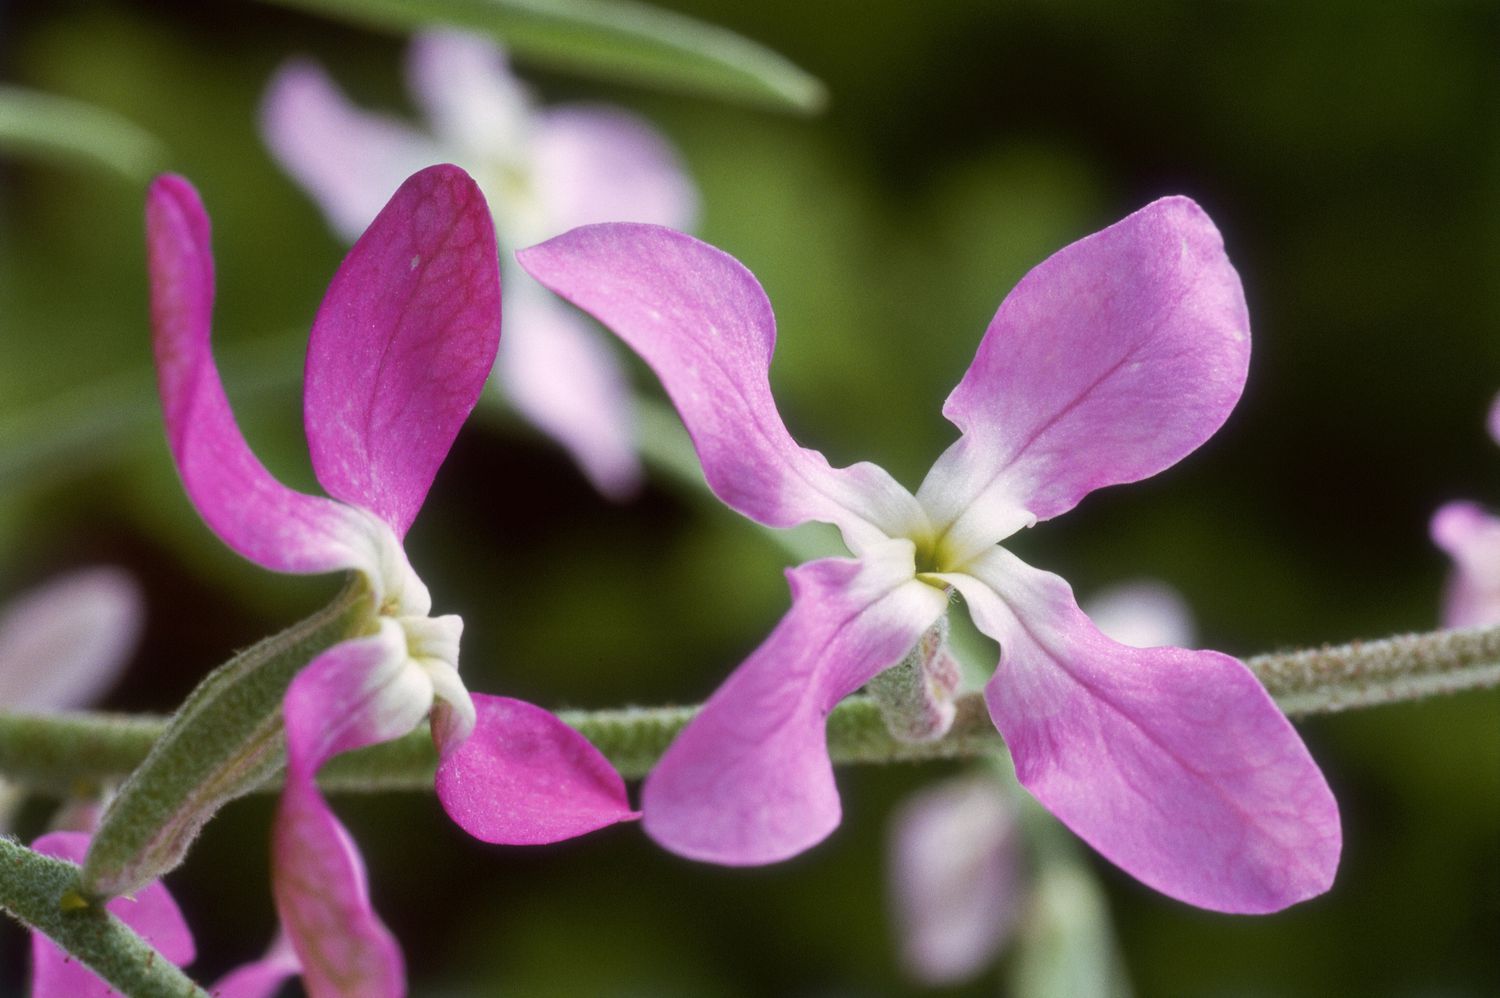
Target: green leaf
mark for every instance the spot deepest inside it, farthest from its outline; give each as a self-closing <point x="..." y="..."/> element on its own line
<point x="60" y="128"/>
<point x="612" y="39"/>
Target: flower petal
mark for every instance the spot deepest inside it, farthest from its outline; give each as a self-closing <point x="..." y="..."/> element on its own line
<point x="1175" y="764"/>
<point x="1493" y="422"/>
<point x="349" y="160"/>
<point x="151" y="913"/>
<point x="261" y="978"/>
<point x="65" y="642"/>
<point x="601" y="164"/>
<point x="355" y="694"/>
<point x="704" y="325"/>
<point x="749" y="781"/>
<point x="402" y="345"/>
<point x="956" y="881"/>
<point x="1472" y="539"/>
<point x="464" y="85"/>
<point x="526" y="778"/>
<point x="1110" y="361"/>
<point x="250" y="511"/>
<point x="565" y="380"/>
<point x="1142" y="613"/>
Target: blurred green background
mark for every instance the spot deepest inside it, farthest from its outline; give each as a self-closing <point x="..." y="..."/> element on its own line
<point x="1349" y="153"/>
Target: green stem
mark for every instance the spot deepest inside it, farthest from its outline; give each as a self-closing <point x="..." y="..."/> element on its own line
<point x="58" y="754"/>
<point x="33" y="888"/>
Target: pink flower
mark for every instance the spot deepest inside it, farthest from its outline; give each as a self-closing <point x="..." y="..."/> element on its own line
<point x="1472" y="539"/>
<point x="543" y="171"/>
<point x="64" y="643"/>
<point x="398" y="354"/>
<point x="1108" y="363"/>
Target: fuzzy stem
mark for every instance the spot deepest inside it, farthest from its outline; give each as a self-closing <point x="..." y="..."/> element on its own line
<point x="58" y="754"/>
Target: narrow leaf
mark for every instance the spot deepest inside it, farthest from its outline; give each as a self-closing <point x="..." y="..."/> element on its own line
<point x="68" y="130"/>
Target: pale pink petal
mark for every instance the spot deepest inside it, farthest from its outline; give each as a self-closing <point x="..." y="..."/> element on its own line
<point x="704" y="325"/>
<point x="402" y="345"/>
<point x="1175" y="764"/>
<point x="355" y="694"/>
<point x="526" y="778"/>
<point x="261" y="978"/>
<point x="1472" y="539"/>
<point x="151" y="912"/>
<point x="1109" y="362"/>
<point x="464" y="85"/>
<point x="349" y="160"/>
<point x="956" y="881"/>
<point x="564" y="379"/>
<point x="1142" y="613"/>
<point x="1493" y="422"/>
<point x="251" y="512"/>
<point x="749" y="781"/>
<point x="65" y="642"/>
<point x="601" y="164"/>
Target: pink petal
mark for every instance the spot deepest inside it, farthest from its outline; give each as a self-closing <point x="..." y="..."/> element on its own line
<point x="355" y="694"/>
<point x="704" y="325"/>
<point x="526" y="778"/>
<point x="1493" y="422"/>
<point x="601" y="164"/>
<point x="65" y="642"/>
<point x="1175" y="764"/>
<point x="464" y="85"/>
<point x="151" y="913"/>
<point x="349" y="160"/>
<point x="1109" y="362"/>
<point x="749" y="780"/>
<point x="1142" y="613"/>
<point x="251" y="512"/>
<point x="566" y="381"/>
<point x="261" y="978"/>
<point x="956" y="881"/>
<point x="402" y="345"/>
<point x="1472" y="539"/>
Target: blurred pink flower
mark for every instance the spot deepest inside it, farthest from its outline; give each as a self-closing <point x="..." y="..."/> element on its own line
<point x="1471" y="537"/>
<point x="397" y="356"/>
<point x="64" y="643"/>
<point x="1108" y="363"/>
<point x="543" y="171"/>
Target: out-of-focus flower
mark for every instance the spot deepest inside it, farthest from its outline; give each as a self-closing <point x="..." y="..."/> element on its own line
<point x="543" y="170"/>
<point x="397" y="356"/>
<point x="1109" y="362"/>
<point x="1471" y="537"/>
<point x="63" y="644"/>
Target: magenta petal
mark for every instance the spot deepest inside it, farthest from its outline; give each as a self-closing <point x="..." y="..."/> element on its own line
<point x="749" y="780"/>
<point x="65" y="642"/>
<point x="704" y="325"/>
<point x="562" y="376"/>
<point x="526" y="778"/>
<point x="1472" y="539"/>
<point x="1175" y="764"/>
<point x="349" y="160"/>
<point x="253" y="513"/>
<point x="1109" y="362"/>
<point x="151" y="912"/>
<point x="600" y="164"/>
<point x="261" y="978"/>
<point x="402" y="345"/>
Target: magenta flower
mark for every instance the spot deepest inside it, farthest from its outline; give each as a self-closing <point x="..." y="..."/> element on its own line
<point x="398" y="354"/>
<point x="1109" y="362"/>
<point x="1472" y="539"/>
<point x="543" y="171"/>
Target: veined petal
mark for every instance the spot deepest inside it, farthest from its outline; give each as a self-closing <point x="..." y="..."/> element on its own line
<point x="526" y="778"/>
<point x="704" y="325"/>
<point x="355" y="694"/>
<point x="257" y="516"/>
<point x="151" y="912"/>
<point x="1472" y="539"/>
<point x="402" y="345"/>
<point x="65" y="642"/>
<point x="749" y="781"/>
<point x="602" y="164"/>
<point x="565" y="380"/>
<point x="1110" y="361"/>
<point x="349" y="160"/>
<point x="1175" y="764"/>
<point x="464" y="85"/>
<point x="261" y="978"/>
<point x="956" y="880"/>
